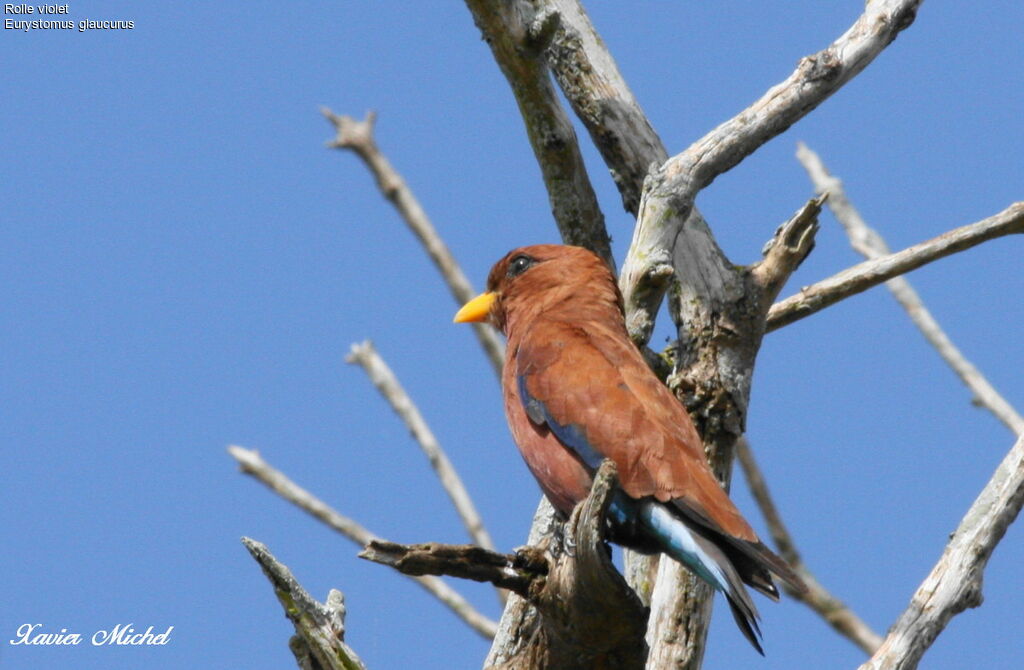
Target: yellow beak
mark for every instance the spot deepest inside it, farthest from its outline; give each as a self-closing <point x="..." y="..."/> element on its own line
<point x="476" y="309"/>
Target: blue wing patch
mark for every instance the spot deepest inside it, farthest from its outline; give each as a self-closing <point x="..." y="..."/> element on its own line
<point x="648" y="517"/>
<point x="570" y="435"/>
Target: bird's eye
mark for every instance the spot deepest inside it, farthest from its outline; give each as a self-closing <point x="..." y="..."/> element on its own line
<point x="519" y="265"/>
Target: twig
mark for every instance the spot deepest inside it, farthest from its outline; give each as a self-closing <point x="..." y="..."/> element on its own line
<point x="954" y="584"/>
<point x="871" y="273"/>
<point x="517" y="46"/>
<point x="251" y="463"/>
<point x="357" y="136"/>
<point x="661" y="236"/>
<point x="870" y="244"/>
<point x="319" y="628"/>
<point x="365" y="356"/>
<point x="838" y="615"/>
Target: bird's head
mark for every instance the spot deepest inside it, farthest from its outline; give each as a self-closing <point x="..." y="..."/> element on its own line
<point x="569" y="283"/>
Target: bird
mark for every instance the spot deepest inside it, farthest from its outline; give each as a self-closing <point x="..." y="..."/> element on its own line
<point x="577" y="390"/>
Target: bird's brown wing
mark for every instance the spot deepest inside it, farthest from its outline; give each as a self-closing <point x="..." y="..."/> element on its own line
<point x="591" y="384"/>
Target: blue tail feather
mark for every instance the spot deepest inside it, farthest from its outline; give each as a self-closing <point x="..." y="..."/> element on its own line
<point x="671" y="535"/>
<point x="656" y="526"/>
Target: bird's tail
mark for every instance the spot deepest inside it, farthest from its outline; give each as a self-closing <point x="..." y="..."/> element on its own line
<point x="704" y="558"/>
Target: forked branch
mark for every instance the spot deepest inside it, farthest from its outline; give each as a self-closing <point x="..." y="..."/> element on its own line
<point x="717" y="311"/>
<point x="871" y="273"/>
<point x="870" y="244"/>
<point x="671" y="190"/>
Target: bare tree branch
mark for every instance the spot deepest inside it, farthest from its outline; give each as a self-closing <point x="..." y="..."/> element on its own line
<point x="517" y="42"/>
<point x="357" y="136"/>
<point x="871" y="273"/>
<point x="365" y="356"/>
<point x="669" y="195"/>
<point x="593" y="85"/>
<point x="251" y="463"/>
<point x="870" y="244"/>
<point x="784" y="253"/>
<point x="954" y="584"/>
<point x="515" y="572"/>
<point x="319" y="640"/>
<point x="816" y="78"/>
<point x="835" y="612"/>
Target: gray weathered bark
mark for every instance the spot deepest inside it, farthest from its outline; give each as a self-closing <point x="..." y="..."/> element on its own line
<point x="516" y="40"/>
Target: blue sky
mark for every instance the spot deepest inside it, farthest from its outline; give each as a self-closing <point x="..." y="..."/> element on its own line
<point x="184" y="265"/>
